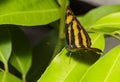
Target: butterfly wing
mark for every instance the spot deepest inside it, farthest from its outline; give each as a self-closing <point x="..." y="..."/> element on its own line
<point x="76" y="35"/>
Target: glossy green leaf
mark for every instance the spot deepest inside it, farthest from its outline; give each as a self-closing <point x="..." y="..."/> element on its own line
<point x="21" y="53"/>
<point x="5" y="44"/>
<point x="91" y="17"/>
<point x="28" y="12"/>
<point x="109" y="23"/>
<point x="97" y="40"/>
<point x="107" y="69"/>
<point x="8" y="77"/>
<point x="66" y="68"/>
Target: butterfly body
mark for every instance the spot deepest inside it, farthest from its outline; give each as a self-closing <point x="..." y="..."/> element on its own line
<point x="76" y="36"/>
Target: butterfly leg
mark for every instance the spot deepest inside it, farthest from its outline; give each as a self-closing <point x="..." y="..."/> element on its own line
<point x="70" y="57"/>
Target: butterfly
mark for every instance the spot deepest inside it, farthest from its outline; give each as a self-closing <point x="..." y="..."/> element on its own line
<point x="76" y="36"/>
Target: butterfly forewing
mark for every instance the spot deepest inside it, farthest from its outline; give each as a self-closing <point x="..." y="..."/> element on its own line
<point x="76" y="36"/>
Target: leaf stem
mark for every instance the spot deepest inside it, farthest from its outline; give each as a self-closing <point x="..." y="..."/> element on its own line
<point x="111" y="34"/>
<point x="5" y="72"/>
<point x="6" y="67"/>
<point x="61" y="28"/>
<point x="115" y="36"/>
<point x="23" y="78"/>
<point x="4" y="76"/>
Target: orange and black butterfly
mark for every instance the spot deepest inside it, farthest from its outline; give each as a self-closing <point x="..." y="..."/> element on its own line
<point x="76" y="36"/>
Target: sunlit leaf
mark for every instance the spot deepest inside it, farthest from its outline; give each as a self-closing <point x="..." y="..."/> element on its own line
<point x="66" y="68"/>
<point x="8" y="77"/>
<point x="28" y="12"/>
<point x="106" y="69"/>
<point x="109" y="23"/>
<point x="91" y="17"/>
<point x="97" y="41"/>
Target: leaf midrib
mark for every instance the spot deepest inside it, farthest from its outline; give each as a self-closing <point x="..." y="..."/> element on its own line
<point x="19" y="63"/>
<point x="26" y="12"/>
<point x="111" y="69"/>
<point x="3" y="58"/>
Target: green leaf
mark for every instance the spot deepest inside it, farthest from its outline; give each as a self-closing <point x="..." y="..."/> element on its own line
<point x="5" y="44"/>
<point x="118" y="32"/>
<point x="97" y="40"/>
<point x="69" y="69"/>
<point x="28" y="12"/>
<point x="8" y="77"/>
<point x="66" y="69"/>
<point x="106" y="69"/>
<point x="21" y="53"/>
<point x="91" y="17"/>
<point x="109" y="23"/>
<point x="60" y="2"/>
